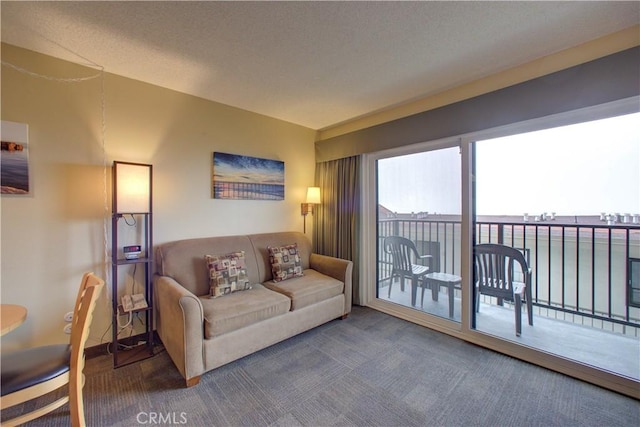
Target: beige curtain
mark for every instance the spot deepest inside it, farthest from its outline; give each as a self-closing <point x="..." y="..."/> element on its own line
<point x="336" y="220"/>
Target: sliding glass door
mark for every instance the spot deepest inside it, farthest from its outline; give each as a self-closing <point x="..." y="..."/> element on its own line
<point x="571" y="210"/>
<point x="568" y="199"/>
<point x="418" y="208"/>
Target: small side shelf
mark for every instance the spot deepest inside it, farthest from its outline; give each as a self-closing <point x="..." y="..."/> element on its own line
<point x="136" y="354"/>
<point x="121" y="311"/>
<point x="124" y="261"/>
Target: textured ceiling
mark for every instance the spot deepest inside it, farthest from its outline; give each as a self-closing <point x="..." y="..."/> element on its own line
<point x="316" y="64"/>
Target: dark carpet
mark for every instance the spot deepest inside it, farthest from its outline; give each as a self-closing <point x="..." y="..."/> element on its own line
<point x="368" y="370"/>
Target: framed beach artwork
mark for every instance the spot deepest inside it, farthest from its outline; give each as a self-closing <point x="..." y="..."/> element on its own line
<point x="14" y="158"/>
<point x="247" y="178"/>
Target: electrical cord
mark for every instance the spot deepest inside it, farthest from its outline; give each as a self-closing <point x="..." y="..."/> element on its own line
<point x="121" y="327"/>
<point x="133" y="219"/>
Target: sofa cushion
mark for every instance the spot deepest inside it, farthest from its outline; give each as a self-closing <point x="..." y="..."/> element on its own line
<point x="240" y="309"/>
<point x="309" y="289"/>
<point x="285" y="262"/>
<point x="227" y="274"/>
<point x="261" y="243"/>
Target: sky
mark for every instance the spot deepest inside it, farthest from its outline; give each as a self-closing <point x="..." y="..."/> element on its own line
<point x="236" y="168"/>
<point x="422" y="182"/>
<point x="583" y="169"/>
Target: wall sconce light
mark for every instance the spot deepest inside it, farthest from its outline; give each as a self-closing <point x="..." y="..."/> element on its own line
<point x="131" y="188"/>
<point x="313" y="198"/>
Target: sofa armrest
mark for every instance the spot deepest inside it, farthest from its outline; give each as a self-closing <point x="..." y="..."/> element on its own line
<point x="339" y="269"/>
<point x="180" y="324"/>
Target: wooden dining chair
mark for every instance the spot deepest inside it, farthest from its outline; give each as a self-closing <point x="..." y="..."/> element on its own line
<point x="404" y="257"/>
<point x="31" y="373"/>
<point x="495" y="268"/>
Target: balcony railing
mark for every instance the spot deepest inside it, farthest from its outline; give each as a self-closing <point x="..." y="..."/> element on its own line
<point x="581" y="266"/>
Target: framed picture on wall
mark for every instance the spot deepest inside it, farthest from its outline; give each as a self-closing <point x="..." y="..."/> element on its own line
<point x="14" y="158"/>
<point x="247" y="178"/>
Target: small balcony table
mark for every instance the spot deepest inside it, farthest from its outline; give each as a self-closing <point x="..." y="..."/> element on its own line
<point x="451" y="281"/>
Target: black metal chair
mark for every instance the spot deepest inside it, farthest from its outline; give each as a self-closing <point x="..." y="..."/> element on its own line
<point x="403" y="253"/>
<point x="494" y="276"/>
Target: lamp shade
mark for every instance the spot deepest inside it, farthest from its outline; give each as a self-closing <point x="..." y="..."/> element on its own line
<point x="313" y="195"/>
<point x="131" y="187"/>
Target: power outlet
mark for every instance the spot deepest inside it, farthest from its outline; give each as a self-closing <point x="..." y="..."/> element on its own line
<point x="68" y="317"/>
<point x="67" y="329"/>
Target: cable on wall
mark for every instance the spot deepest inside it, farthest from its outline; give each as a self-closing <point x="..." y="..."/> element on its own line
<point x="103" y="131"/>
<point x="105" y="192"/>
<point x="51" y="78"/>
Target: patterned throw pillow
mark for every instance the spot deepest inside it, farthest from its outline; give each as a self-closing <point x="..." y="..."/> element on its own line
<point x="227" y="274"/>
<point x="285" y="262"/>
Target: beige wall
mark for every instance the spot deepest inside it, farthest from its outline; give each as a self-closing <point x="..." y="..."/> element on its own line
<point x="52" y="236"/>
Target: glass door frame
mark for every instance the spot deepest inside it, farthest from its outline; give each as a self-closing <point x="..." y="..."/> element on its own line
<point x="370" y="240"/>
<point x="464" y="330"/>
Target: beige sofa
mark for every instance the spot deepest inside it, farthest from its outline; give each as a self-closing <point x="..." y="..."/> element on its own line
<point x="202" y="333"/>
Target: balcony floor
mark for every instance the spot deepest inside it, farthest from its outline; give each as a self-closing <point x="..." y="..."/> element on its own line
<point x="604" y="349"/>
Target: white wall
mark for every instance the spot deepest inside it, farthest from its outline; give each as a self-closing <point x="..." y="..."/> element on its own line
<point x="52" y="236"/>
